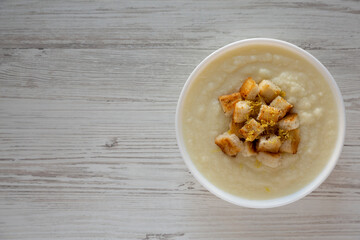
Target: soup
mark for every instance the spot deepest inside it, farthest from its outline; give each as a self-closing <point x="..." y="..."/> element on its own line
<point x="306" y="89"/>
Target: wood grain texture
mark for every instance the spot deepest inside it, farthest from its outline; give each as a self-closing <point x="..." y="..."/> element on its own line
<point x="88" y="91"/>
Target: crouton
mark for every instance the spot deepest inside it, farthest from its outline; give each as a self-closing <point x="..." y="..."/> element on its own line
<point x="256" y="105"/>
<point x="281" y="104"/>
<point x="251" y="130"/>
<point x="249" y="90"/>
<point x="268" y="90"/>
<point x="270" y="143"/>
<point x="290" y="145"/>
<point x="230" y="144"/>
<point x="228" y="102"/>
<point x="269" y="159"/>
<point x="290" y="122"/>
<point x="269" y="114"/>
<point x="241" y="111"/>
<point x="235" y="129"/>
<point x="248" y="150"/>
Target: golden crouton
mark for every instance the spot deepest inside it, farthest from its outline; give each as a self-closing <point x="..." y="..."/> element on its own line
<point x="290" y="145"/>
<point x="248" y="150"/>
<point x="290" y="122"/>
<point x="228" y="102"/>
<point x="241" y="111"/>
<point x="268" y="90"/>
<point x="281" y="104"/>
<point x="269" y="159"/>
<point x="269" y="143"/>
<point x="249" y="90"/>
<point x="235" y="128"/>
<point x="269" y="114"/>
<point x="230" y="144"/>
<point x="251" y="130"/>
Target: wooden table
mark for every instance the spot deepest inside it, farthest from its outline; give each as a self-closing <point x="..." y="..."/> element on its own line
<point x="88" y="92"/>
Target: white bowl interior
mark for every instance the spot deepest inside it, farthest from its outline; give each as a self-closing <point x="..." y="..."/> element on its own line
<point x="276" y="201"/>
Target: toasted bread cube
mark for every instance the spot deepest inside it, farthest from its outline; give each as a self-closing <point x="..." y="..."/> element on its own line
<point x="230" y="144"/>
<point x="268" y="90"/>
<point x="281" y="104"/>
<point x="269" y="143"/>
<point x="269" y="159"/>
<point x="228" y="102"/>
<point x="249" y="90"/>
<point x="268" y="114"/>
<point x="291" y="144"/>
<point x="289" y="122"/>
<point x="235" y="128"/>
<point x="251" y="130"/>
<point x="241" y="111"/>
<point x="248" y="150"/>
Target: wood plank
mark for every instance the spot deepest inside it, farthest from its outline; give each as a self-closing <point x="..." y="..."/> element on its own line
<point x="88" y="92"/>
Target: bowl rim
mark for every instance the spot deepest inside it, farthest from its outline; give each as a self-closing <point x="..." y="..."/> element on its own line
<point x="274" y="202"/>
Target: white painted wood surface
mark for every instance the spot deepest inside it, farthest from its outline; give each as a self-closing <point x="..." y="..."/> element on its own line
<point x="88" y="91"/>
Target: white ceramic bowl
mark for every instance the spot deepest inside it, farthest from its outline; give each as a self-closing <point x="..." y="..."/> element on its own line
<point x="276" y="201"/>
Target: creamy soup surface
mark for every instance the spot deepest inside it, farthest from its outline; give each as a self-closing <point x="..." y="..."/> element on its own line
<point x="203" y="120"/>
